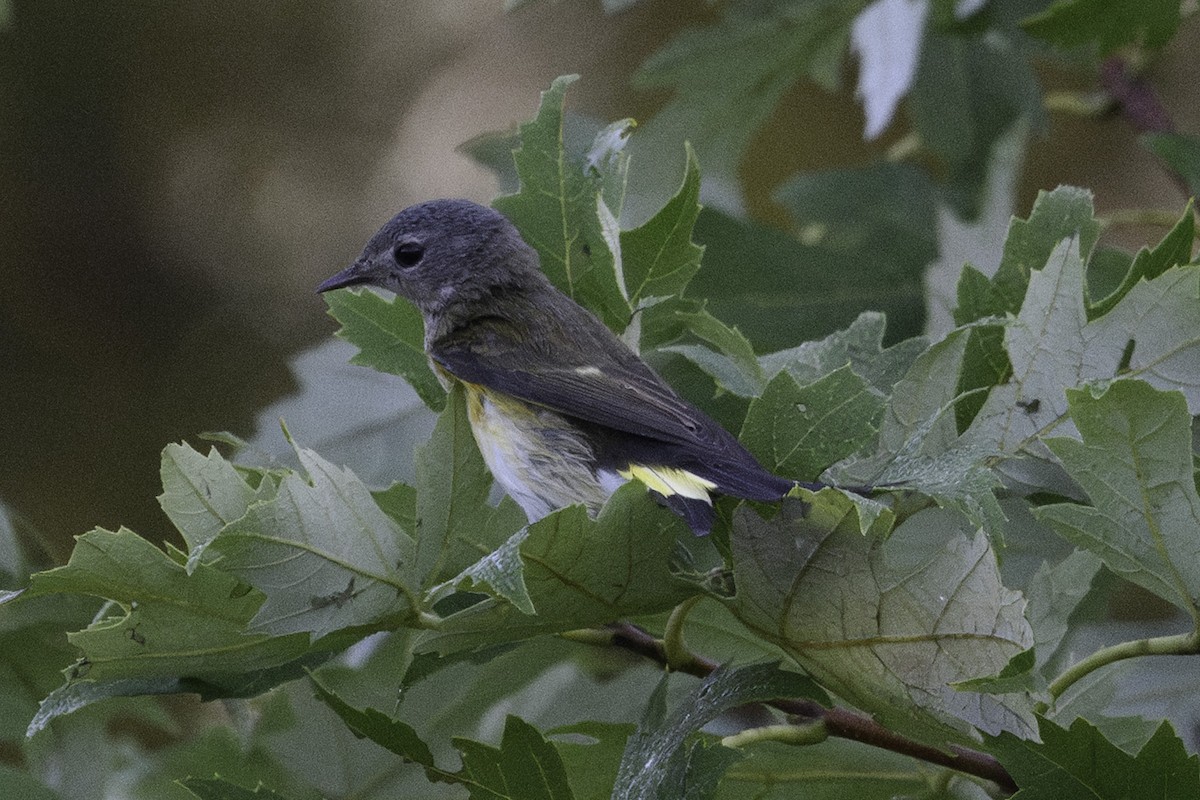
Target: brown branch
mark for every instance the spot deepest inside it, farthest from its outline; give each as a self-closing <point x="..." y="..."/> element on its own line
<point x="838" y="722"/>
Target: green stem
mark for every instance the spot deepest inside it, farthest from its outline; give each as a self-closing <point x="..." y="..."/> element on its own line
<point x="905" y="148"/>
<point x="1178" y="645"/>
<point x="802" y="734"/>
<point x="1080" y="104"/>
<point x="597" y="637"/>
<point x="678" y="655"/>
<point x="1143" y="216"/>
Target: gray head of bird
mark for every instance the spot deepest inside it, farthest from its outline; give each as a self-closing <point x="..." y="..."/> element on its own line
<point x="443" y="253"/>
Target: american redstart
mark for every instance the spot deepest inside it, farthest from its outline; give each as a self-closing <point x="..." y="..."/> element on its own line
<point x="562" y="410"/>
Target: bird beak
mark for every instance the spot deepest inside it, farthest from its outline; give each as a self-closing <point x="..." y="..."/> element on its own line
<point x="356" y="274"/>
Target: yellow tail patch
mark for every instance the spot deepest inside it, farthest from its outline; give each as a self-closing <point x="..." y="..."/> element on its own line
<point x="669" y="481"/>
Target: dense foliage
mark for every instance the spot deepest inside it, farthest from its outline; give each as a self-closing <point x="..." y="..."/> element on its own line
<point x="945" y="636"/>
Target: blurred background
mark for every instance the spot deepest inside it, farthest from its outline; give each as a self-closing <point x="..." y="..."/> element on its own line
<point x="176" y="179"/>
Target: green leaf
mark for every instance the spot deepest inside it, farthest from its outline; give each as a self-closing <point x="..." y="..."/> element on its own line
<point x="1181" y="151"/>
<point x="969" y="91"/>
<point x="730" y="360"/>
<point x="1053" y="347"/>
<point x="1056" y="215"/>
<point x="888" y="624"/>
<point x="525" y="766"/>
<point x="557" y="211"/>
<point x="1045" y="347"/>
<point x="665" y="753"/>
<point x="781" y="291"/>
<point x="323" y="553"/>
<point x="1054" y="594"/>
<point x="1135" y="463"/>
<point x="390" y="337"/>
<point x="392" y="734"/>
<point x="171" y="631"/>
<point x="1107" y="24"/>
<point x="457" y="524"/>
<point x="884" y="212"/>
<point x="759" y="51"/>
<point x="399" y="501"/>
<point x="860" y="346"/>
<point x="659" y="258"/>
<point x="1174" y="249"/>
<point x="219" y="789"/>
<point x="1080" y="764"/>
<point x="799" y="431"/>
<point x="577" y="572"/>
<point x="592" y="764"/>
<point x="202" y="494"/>
<point x="919" y="447"/>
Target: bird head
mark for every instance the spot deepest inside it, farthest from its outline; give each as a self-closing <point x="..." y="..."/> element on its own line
<point x="442" y="253"/>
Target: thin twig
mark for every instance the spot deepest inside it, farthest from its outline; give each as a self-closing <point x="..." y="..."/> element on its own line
<point x="838" y="722"/>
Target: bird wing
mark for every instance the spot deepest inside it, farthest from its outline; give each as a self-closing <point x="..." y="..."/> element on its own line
<point x="593" y="377"/>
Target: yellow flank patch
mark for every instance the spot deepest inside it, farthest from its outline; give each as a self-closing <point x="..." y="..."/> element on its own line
<point x="670" y="480"/>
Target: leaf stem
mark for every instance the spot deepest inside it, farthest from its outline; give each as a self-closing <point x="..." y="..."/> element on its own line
<point x="813" y="732"/>
<point x="1183" y="644"/>
<point x="1143" y="216"/>
<point x="674" y="647"/>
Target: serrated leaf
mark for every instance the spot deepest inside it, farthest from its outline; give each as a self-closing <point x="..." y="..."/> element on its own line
<point x="1080" y="764"/>
<point x="730" y="360"/>
<point x="1135" y="463"/>
<point x="922" y="400"/>
<point x="202" y="494"/>
<point x="1175" y="249"/>
<point x="888" y="624"/>
<point x="1055" y="216"/>
<point x="659" y="257"/>
<point x="1106" y="24"/>
<point x="919" y="447"/>
<point x="457" y="524"/>
<point x="1053" y="347"/>
<point x="501" y="574"/>
<point x="860" y="346"/>
<point x="393" y="734"/>
<point x="799" y="431"/>
<point x="1181" y="151"/>
<point x="524" y="766"/>
<point x="169" y="631"/>
<point x="578" y="572"/>
<point x="664" y="753"/>
<point x="557" y="213"/>
<point x="323" y="553"/>
<point x="390" y="337"/>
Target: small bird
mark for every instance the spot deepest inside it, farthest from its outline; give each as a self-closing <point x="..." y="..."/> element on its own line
<point x="562" y="410"/>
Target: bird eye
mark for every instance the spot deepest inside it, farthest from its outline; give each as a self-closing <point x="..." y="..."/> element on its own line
<point x="408" y="254"/>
